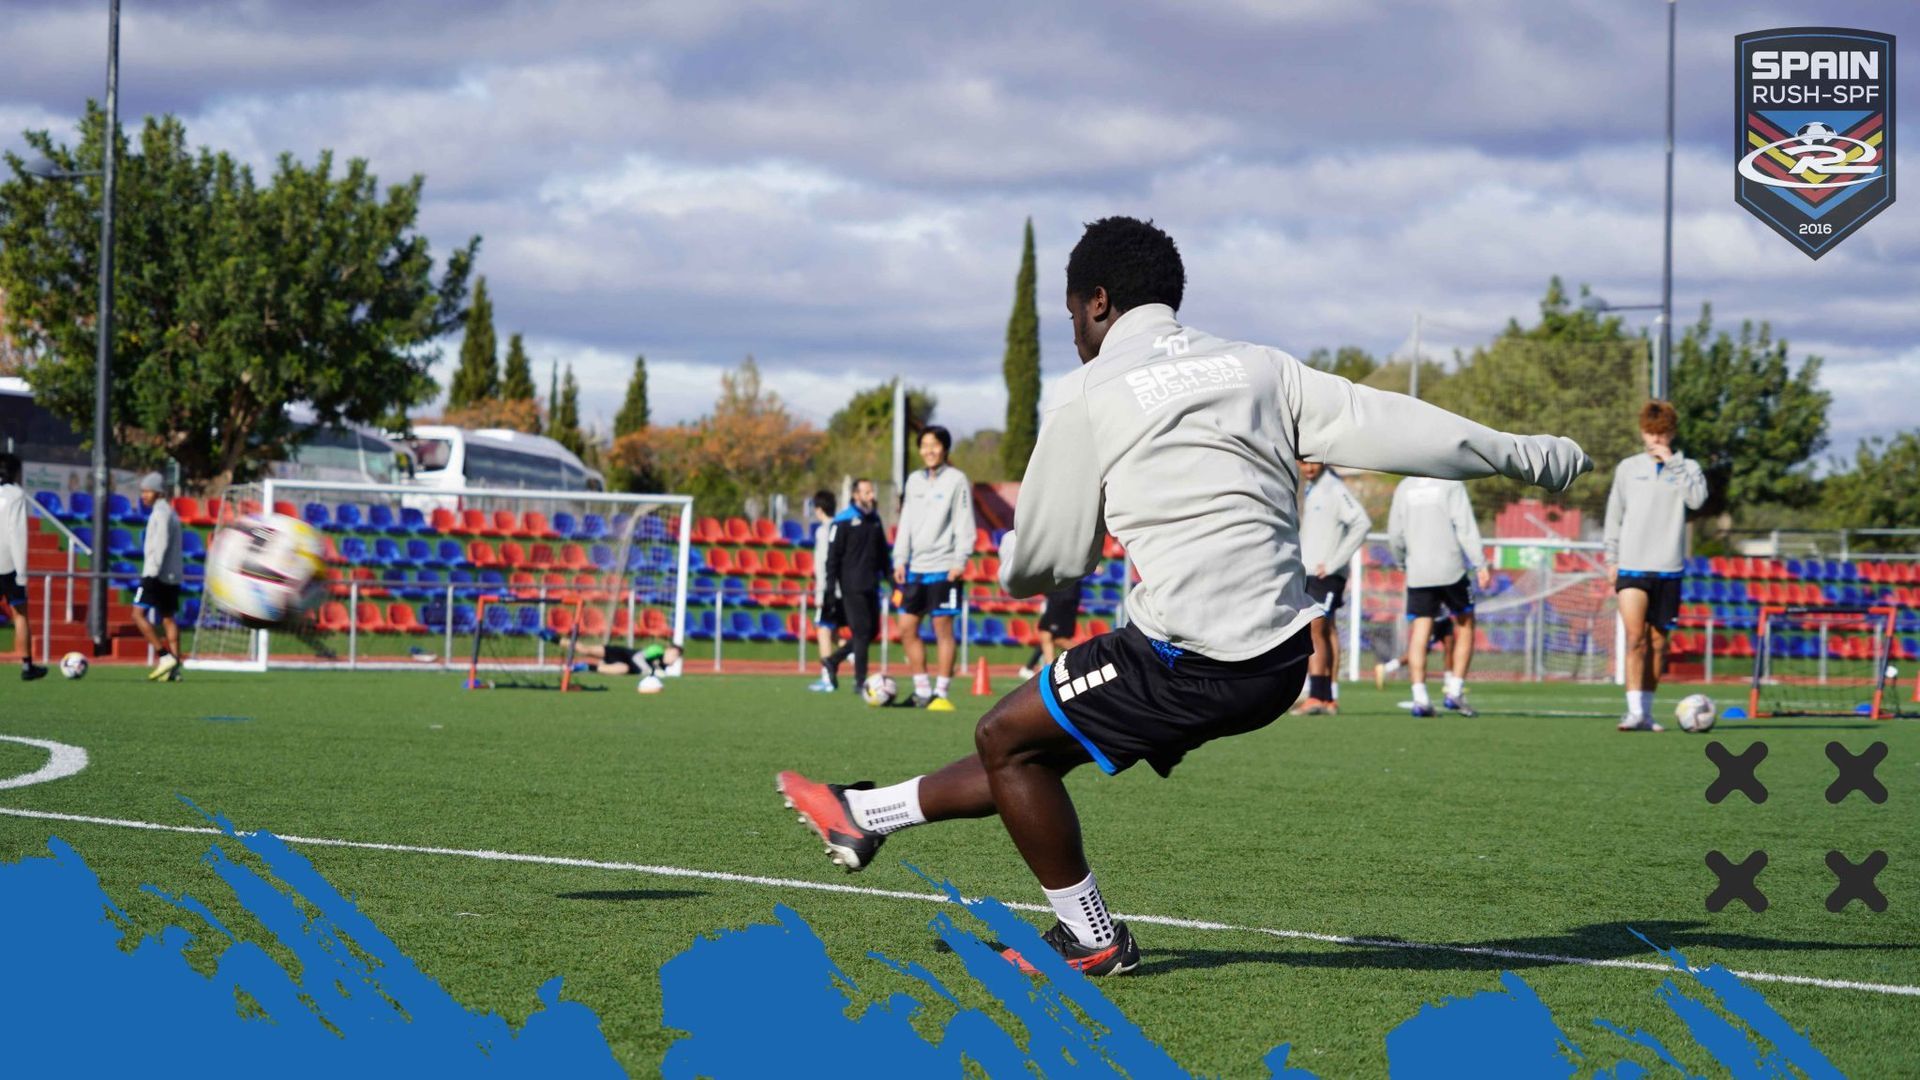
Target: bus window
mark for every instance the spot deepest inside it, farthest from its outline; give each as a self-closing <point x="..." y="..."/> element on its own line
<point x="432" y="455"/>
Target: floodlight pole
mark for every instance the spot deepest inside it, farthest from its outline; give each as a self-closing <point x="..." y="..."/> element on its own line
<point x="103" y="350"/>
<point x="1663" y="364"/>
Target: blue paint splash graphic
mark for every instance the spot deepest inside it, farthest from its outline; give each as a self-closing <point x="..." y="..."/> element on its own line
<point x="79" y="999"/>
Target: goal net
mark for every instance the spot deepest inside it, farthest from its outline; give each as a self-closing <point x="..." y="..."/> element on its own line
<point x="410" y="569"/>
<point x="1823" y="661"/>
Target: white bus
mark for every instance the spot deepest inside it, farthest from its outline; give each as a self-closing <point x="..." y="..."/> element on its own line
<point x="451" y="457"/>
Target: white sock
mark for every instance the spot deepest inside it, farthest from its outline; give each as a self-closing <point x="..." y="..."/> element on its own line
<point x="1336" y="689"/>
<point x="922" y="686"/>
<point x="1084" y="913"/>
<point x="940" y="685"/>
<point x="887" y="809"/>
<point x="1640" y="702"/>
<point x="1455" y="685"/>
<point x="1393" y="665"/>
<point x="1420" y="695"/>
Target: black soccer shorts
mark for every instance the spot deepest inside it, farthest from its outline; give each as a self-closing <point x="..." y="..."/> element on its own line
<point x="929" y="594"/>
<point x="1663" y="596"/>
<point x="1061" y="614"/>
<point x="1425" y="602"/>
<point x="1330" y="591"/>
<point x="159" y="598"/>
<point x="1126" y="697"/>
<point x="13" y="589"/>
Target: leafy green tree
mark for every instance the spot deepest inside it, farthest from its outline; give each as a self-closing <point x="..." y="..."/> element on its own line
<point x="517" y="384"/>
<point x="1349" y="362"/>
<point x="1881" y="491"/>
<point x="859" y="437"/>
<point x="633" y="414"/>
<point x="478" y="376"/>
<point x="231" y="298"/>
<point x="1748" y="416"/>
<point x="749" y="446"/>
<point x="563" y="425"/>
<point x="1575" y="373"/>
<point x="1022" y="369"/>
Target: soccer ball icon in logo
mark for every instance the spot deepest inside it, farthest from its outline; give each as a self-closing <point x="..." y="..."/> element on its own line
<point x="73" y="666"/>
<point x="1815" y="134"/>
<point x="1695" y="713"/>
<point x="259" y="567"/>
<point x="879" y="690"/>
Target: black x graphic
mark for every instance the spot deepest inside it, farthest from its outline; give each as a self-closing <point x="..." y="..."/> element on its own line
<point x="1856" y="882"/>
<point x="1856" y="773"/>
<point x="1736" y="881"/>
<point x="1736" y="772"/>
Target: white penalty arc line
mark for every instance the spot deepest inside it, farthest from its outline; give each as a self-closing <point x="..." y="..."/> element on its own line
<point x="940" y="898"/>
<point x="63" y="761"/>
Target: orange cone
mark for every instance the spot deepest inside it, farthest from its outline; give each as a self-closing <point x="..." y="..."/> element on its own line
<point x="982" y="682"/>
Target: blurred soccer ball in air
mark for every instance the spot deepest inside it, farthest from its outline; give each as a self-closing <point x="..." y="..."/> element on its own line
<point x="259" y="567"/>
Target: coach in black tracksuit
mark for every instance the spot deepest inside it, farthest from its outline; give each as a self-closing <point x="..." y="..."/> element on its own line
<point x="857" y="563"/>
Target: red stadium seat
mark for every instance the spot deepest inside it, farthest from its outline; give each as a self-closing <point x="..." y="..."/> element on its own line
<point x="191" y="511"/>
<point x="574" y="557"/>
<point x="709" y="531"/>
<point x="720" y="560"/>
<point x="540" y="556"/>
<point x="534" y="525"/>
<point x="1021" y="631"/>
<point x="803" y="563"/>
<point x="481" y="554"/>
<point x="512" y="554"/>
<point x="776" y="562"/>
<point x="250" y="506"/>
<point x="504" y="523"/>
<point x="446" y="522"/>
<point x="334" y="618"/>
<point x="653" y="622"/>
<point x="1112" y="549"/>
<point x="982" y="542"/>
<point x="738" y="531"/>
<point x="560" y="620"/>
<point x="622" y="622"/>
<point x="282" y="507"/>
<point x="593" y="622"/>
<point x="475" y="523"/>
<point x="370" y="620"/>
<point x="524" y="584"/>
<point x="747" y="563"/>
<point x="766" y="531"/>
<point x="402" y="619"/>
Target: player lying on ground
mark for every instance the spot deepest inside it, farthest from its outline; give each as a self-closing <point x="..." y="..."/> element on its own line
<point x="1646" y="542"/>
<point x="611" y="659"/>
<point x="1333" y="526"/>
<point x="1431" y="531"/>
<point x="1182" y="445"/>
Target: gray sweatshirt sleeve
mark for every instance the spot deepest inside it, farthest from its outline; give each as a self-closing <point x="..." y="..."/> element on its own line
<point x="1354" y="523"/>
<point x="13" y="534"/>
<point x="903" y="529"/>
<point x="1692" y="480"/>
<point x="1466" y="529"/>
<point x="961" y="528"/>
<point x="1397" y="527"/>
<point x="154" y="545"/>
<point x="1344" y="424"/>
<point x="1059" y="527"/>
<point x="1616" y="516"/>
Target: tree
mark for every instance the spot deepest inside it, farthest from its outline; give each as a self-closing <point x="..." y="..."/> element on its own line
<point x="1881" y="491"/>
<point x="1747" y="416"/>
<point x="232" y="299"/>
<point x="517" y="384"/>
<point x="563" y="423"/>
<point x="523" y="415"/>
<point x="749" y="445"/>
<point x="1349" y="362"/>
<point x="980" y="456"/>
<point x="859" y="437"/>
<point x="1022" y="369"/>
<point x="633" y="414"/>
<point x="478" y="376"/>
<point x="1574" y="373"/>
<point x="13" y="361"/>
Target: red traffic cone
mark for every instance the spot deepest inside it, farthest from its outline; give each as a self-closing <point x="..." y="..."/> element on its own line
<point x="982" y="682"/>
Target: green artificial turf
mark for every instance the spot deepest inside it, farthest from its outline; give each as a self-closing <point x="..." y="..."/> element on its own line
<point x="1520" y="830"/>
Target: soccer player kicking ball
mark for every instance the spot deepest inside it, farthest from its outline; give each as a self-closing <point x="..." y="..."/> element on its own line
<point x="936" y="536"/>
<point x="1646" y="541"/>
<point x="1333" y="525"/>
<point x="1431" y="530"/>
<point x="1183" y="446"/>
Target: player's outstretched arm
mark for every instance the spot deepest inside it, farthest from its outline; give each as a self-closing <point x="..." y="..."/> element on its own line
<point x="1344" y="424"/>
<point x="1059" y="523"/>
<point x="1465" y="529"/>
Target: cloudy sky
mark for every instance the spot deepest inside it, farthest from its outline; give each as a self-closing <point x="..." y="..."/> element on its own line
<point x="839" y="188"/>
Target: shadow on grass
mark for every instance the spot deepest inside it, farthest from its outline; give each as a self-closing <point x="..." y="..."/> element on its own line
<point x="624" y="895"/>
<point x="1599" y="941"/>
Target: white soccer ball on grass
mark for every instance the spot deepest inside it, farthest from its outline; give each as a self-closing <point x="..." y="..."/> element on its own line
<point x="651" y="685"/>
<point x="879" y="689"/>
<point x="1695" y="713"/>
<point x="259" y="567"/>
<point x="73" y="666"/>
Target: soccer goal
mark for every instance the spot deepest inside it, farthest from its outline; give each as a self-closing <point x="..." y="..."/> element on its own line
<point x="411" y="569"/>
<point x="1823" y="661"/>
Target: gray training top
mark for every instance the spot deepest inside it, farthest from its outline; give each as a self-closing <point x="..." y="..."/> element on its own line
<point x="13" y="531"/>
<point x="1647" y="513"/>
<point x="936" y="522"/>
<point x="1333" y="524"/>
<point x="162" y="544"/>
<point x="1431" y="530"/>
<point x="1183" y="446"/>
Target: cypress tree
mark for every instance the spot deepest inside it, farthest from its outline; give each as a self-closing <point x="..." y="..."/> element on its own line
<point x="633" y="414"/>
<point x="564" y="425"/>
<point x="1022" y="369"/>
<point x="517" y="384"/>
<point x="478" y="377"/>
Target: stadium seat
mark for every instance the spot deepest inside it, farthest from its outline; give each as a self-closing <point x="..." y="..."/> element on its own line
<point x="193" y="546"/>
<point x="602" y="558"/>
<point x="512" y="555"/>
<point x="794" y="533"/>
<point x="535" y="526"/>
<point x="540" y="556"/>
<point x="560" y="620"/>
<point x="528" y="622"/>
<point x="766" y="532"/>
<point x="481" y="554"/>
<point x="592" y="527"/>
<point x="803" y="563"/>
<point x="574" y="557"/>
<point x="773" y="627"/>
<point x="506" y="523"/>
<point x="564" y="525"/>
<point x="346" y="517"/>
<point x="50" y="502"/>
<point x="653" y="622"/>
<point x="622" y="621"/>
<point x="387" y="553"/>
<point x="420" y="553"/>
<point x="121" y="542"/>
<point x="776" y="563"/>
<point x="446" y="522"/>
<point x="426" y="586"/>
<point x="475" y="523"/>
<point x="742" y="626"/>
<point x="982" y="542"/>
<point x="708" y="531"/>
<point x="593" y="622"/>
<point x="334" y="618"/>
<point x="369" y="618"/>
<point x="1021" y="631"/>
<point x="463" y="619"/>
<point x="401" y="619"/>
<point x="189" y="616"/>
<point x="315" y="514"/>
<point x="124" y="510"/>
<point x="498" y="620"/>
<point x="747" y="563"/>
<point x="720" y="561"/>
<point x="524" y="584"/>
<point x="738" y="531"/>
<point x="413" y="522"/>
<point x="380" y="518"/>
<point x="450" y="554"/>
<point x="79" y="507"/>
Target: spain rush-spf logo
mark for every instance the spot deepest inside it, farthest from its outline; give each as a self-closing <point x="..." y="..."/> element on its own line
<point x="1814" y="130"/>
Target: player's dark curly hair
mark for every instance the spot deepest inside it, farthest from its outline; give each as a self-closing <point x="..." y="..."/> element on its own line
<point x="1134" y="261"/>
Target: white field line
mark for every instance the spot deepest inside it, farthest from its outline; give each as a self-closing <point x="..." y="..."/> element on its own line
<point x="63" y="761"/>
<point x="938" y="898"/>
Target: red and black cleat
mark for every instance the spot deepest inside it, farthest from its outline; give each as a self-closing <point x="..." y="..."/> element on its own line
<point x="823" y="808"/>
<point x="1116" y="957"/>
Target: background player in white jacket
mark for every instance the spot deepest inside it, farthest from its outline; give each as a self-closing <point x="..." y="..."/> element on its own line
<point x="1182" y="445"/>
<point x="1646" y="541"/>
<point x="827" y="612"/>
<point x="1431" y="530"/>
<point x="13" y="564"/>
<point x="158" y="598"/>
<point x="1333" y="525"/>
<point x="930" y="553"/>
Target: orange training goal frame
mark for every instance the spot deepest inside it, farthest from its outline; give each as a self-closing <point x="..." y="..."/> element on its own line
<point x="569" y="604"/>
<point x="1877" y="620"/>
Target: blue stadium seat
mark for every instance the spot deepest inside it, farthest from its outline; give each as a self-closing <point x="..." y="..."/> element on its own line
<point x="736" y="591"/>
<point x="463" y="619"/>
<point x="79" y="506"/>
<point x="346" y="517"/>
<point x="50" y="502"/>
<point x="654" y="527"/>
<point x="528" y="622"/>
<point x="414" y="522"/>
<point x="592" y="527"/>
<point x="773" y="627"/>
<point x="124" y="575"/>
<point x="602" y="557"/>
<point x="451" y="554"/>
<point x="316" y="515"/>
<point x="428" y="584"/>
<point x="388" y="554"/>
<point x="189" y="616"/>
<point x="433" y="614"/>
<point x="492" y="578"/>
<point x="499" y="619"/>
<point x="124" y="510"/>
<point x="121" y="542"/>
<point x="702" y="628"/>
<point x="741" y="627"/>
<point x="193" y="546"/>
<point x="354" y="550"/>
<point x="462" y="580"/>
<point x="564" y="524"/>
<point x="420" y="553"/>
<point x="380" y="517"/>
<point x="794" y="533"/>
